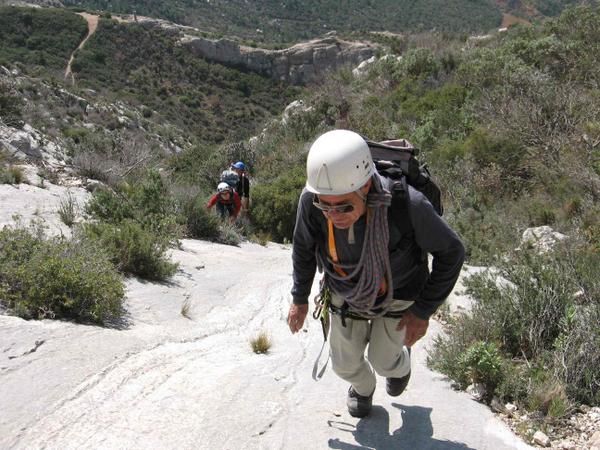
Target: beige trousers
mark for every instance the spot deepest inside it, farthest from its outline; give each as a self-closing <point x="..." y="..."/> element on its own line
<point x="386" y="353"/>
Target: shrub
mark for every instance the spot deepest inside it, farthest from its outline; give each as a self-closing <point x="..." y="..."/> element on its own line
<point x="275" y="204"/>
<point x="10" y="106"/>
<point x="12" y="175"/>
<point x="76" y="134"/>
<point x="47" y="174"/>
<point x="260" y="238"/>
<point x="55" y="278"/>
<point x="548" y="396"/>
<point x="482" y="363"/>
<point x="200" y="223"/>
<point x="527" y="306"/>
<point x="419" y="62"/>
<point x="146" y="202"/>
<point x="133" y="249"/>
<point x="541" y="308"/>
<point x="229" y="234"/>
<point x="68" y="209"/>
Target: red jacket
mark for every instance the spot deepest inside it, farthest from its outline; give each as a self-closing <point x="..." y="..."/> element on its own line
<point x="237" y="204"/>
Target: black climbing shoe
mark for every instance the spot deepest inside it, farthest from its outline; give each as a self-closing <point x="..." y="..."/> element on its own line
<point x="396" y="386"/>
<point x="358" y="405"/>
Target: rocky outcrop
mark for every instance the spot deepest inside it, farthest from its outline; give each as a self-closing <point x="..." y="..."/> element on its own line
<point x="542" y="239"/>
<point x="29" y="144"/>
<point x="300" y="64"/>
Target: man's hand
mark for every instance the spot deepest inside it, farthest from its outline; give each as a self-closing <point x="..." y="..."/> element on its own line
<point x="296" y="317"/>
<point x="415" y="328"/>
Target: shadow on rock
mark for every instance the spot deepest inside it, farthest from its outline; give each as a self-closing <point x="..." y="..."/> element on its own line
<point x="122" y="321"/>
<point x="373" y="431"/>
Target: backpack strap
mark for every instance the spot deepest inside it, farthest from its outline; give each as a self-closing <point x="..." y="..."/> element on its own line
<point x="399" y="209"/>
<point x="399" y="213"/>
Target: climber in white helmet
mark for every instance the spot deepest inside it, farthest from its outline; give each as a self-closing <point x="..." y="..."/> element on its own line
<point x="376" y="278"/>
<point x="227" y="202"/>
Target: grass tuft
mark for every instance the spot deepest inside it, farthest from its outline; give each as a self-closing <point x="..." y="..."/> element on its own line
<point x="261" y="343"/>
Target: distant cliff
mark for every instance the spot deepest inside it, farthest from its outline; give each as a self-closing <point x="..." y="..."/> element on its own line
<point x="299" y="64"/>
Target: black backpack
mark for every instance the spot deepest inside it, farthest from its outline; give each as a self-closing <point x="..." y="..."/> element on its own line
<point x="397" y="161"/>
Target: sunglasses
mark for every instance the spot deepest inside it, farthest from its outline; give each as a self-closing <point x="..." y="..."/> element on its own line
<point x="343" y="208"/>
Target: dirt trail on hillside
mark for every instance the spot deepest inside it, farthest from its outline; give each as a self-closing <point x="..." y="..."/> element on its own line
<point x="92" y="21"/>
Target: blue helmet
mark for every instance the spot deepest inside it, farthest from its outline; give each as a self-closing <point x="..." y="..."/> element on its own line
<point x="240" y="165"/>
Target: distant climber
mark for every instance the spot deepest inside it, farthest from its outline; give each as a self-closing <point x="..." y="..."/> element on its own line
<point x="230" y="176"/>
<point x="227" y="202"/>
<point x="242" y="186"/>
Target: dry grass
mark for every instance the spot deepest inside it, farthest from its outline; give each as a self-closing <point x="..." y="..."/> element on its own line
<point x="68" y="209"/>
<point x="261" y="343"/>
<point x="12" y="175"/>
<point x="186" y="309"/>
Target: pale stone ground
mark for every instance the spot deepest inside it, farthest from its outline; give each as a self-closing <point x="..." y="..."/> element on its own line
<point x="161" y="380"/>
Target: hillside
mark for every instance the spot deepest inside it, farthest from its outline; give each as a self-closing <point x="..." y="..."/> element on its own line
<point x="507" y="122"/>
<point x="160" y="82"/>
<point x="293" y="21"/>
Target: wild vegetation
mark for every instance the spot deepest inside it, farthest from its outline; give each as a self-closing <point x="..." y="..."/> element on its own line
<point x="145" y="66"/>
<point x="293" y="20"/>
<point x="156" y="83"/>
<point x="39" y="37"/>
<point x="43" y="277"/>
<point x="509" y="126"/>
<point x="290" y="21"/>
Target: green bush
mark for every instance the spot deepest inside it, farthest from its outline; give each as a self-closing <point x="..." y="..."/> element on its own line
<point x="147" y="202"/>
<point x="200" y="223"/>
<point x="12" y="175"/>
<point x="540" y="308"/>
<point x="526" y="307"/>
<point x="275" y="204"/>
<point x="419" y="62"/>
<point x="482" y="363"/>
<point x="76" y="134"/>
<point x="55" y="278"/>
<point x="40" y="37"/>
<point x="11" y="106"/>
<point x="133" y="249"/>
<point x="68" y="209"/>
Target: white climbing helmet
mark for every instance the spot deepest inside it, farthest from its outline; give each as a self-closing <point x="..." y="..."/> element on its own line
<point x="338" y="162"/>
<point x="223" y="187"/>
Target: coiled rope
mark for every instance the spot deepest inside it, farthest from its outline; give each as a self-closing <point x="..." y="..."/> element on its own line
<point x="373" y="268"/>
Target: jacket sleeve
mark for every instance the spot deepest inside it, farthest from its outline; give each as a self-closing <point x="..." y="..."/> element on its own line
<point x="435" y="236"/>
<point x="212" y="201"/>
<point x="303" y="250"/>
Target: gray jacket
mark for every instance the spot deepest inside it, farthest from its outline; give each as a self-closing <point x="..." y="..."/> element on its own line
<point x="410" y="273"/>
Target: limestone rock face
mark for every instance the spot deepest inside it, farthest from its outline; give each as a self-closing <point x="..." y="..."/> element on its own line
<point x="543" y="238"/>
<point x="301" y="64"/>
<point x="29" y="144"/>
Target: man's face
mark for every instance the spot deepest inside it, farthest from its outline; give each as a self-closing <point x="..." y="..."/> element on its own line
<point x="343" y="210"/>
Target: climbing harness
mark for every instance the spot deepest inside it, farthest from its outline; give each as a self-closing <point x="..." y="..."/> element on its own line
<point x="345" y="313"/>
